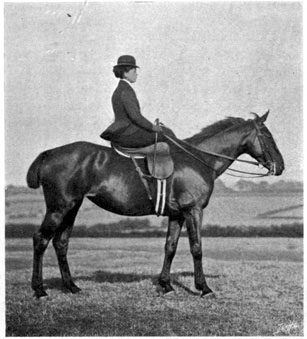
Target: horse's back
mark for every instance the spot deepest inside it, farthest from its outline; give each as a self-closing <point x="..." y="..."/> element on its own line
<point x="78" y="147"/>
<point x="68" y="161"/>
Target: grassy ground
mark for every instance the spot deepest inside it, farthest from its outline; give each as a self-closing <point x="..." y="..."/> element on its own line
<point x="258" y="285"/>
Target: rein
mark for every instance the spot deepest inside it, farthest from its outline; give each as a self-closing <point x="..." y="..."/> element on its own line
<point x="220" y="156"/>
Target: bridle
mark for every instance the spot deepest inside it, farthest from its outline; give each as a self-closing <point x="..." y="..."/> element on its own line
<point x="259" y="135"/>
<point x="264" y="147"/>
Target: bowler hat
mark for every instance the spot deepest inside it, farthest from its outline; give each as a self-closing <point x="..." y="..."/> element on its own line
<point x="126" y="60"/>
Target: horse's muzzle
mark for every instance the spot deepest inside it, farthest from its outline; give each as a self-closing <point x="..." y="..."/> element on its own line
<point x="274" y="168"/>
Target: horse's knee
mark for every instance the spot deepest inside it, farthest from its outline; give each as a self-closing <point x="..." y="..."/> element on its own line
<point x="40" y="243"/>
<point x="170" y="248"/>
<point x="196" y="251"/>
<point x="60" y="245"/>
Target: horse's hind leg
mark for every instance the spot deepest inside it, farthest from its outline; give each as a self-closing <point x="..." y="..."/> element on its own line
<point x="40" y="242"/>
<point x="173" y="233"/>
<point x="60" y="243"/>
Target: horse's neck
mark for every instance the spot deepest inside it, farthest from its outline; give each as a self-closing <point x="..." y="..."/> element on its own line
<point x="229" y="144"/>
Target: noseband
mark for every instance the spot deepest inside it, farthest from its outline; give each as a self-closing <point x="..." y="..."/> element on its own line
<point x="264" y="148"/>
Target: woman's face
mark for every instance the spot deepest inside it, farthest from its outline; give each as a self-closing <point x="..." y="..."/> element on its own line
<point x="131" y="75"/>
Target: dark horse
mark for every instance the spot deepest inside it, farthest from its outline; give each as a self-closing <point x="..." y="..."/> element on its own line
<point x="74" y="171"/>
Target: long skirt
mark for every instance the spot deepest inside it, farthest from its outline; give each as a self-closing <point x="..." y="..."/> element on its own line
<point x="142" y="138"/>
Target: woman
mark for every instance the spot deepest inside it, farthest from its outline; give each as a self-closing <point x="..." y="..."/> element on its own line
<point x="130" y="128"/>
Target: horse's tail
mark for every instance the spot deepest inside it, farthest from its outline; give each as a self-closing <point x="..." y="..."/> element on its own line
<point x="33" y="175"/>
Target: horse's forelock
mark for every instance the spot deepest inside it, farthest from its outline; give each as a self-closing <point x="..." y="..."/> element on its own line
<point x="215" y="128"/>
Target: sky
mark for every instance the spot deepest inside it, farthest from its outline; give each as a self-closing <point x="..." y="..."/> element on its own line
<point x="199" y="63"/>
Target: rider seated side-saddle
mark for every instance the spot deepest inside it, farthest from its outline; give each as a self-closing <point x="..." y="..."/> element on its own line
<point x="159" y="161"/>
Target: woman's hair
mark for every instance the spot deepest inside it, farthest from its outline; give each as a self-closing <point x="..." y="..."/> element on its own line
<point x="120" y="70"/>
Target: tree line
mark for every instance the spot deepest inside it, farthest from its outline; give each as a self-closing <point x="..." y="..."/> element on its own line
<point x="220" y="187"/>
<point x="134" y="228"/>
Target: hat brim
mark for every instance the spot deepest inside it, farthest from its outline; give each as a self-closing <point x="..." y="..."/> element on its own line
<point x="135" y="66"/>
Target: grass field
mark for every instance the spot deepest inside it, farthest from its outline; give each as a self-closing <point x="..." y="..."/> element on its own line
<point x="258" y="285"/>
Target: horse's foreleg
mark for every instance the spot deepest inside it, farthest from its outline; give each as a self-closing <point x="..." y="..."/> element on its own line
<point x="173" y="233"/>
<point x="40" y="242"/>
<point x="60" y="244"/>
<point x="194" y="221"/>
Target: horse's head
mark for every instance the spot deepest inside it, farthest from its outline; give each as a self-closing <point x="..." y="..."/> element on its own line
<point x="262" y="147"/>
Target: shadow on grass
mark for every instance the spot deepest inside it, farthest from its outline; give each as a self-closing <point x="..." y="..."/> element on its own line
<point x="117" y="277"/>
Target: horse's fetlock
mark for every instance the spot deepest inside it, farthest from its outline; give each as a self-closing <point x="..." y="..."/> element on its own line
<point x="37" y="285"/>
<point x="200" y="285"/>
<point x="164" y="281"/>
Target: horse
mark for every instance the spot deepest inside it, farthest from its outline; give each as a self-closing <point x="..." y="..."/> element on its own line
<point x="73" y="171"/>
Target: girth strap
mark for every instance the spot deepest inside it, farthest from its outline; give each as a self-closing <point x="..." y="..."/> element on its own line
<point x="144" y="181"/>
<point x="161" y="189"/>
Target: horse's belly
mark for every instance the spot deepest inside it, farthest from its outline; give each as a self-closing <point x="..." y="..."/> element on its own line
<point x="122" y="196"/>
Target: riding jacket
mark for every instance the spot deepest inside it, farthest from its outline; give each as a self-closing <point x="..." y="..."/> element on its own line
<point x="128" y="117"/>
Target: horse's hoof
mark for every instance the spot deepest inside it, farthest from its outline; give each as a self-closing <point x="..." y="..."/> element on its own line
<point x="40" y="293"/>
<point x="165" y="289"/>
<point x="169" y="293"/>
<point x="75" y="289"/>
<point x="168" y="289"/>
<point x="208" y="294"/>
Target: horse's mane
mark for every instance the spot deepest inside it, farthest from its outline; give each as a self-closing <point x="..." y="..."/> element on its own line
<point x="214" y="129"/>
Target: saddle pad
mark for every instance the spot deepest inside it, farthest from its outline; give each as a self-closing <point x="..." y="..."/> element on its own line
<point x="126" y="155"/>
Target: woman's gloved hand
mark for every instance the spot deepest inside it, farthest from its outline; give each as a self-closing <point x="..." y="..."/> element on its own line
<point x="157" y="128"/>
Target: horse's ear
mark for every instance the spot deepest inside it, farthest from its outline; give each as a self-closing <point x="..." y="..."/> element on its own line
<point x="257" y="117"/>
<point x="264" y="117"/>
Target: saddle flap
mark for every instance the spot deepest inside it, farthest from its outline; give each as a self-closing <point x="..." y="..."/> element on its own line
<point x="160" y="165"/>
